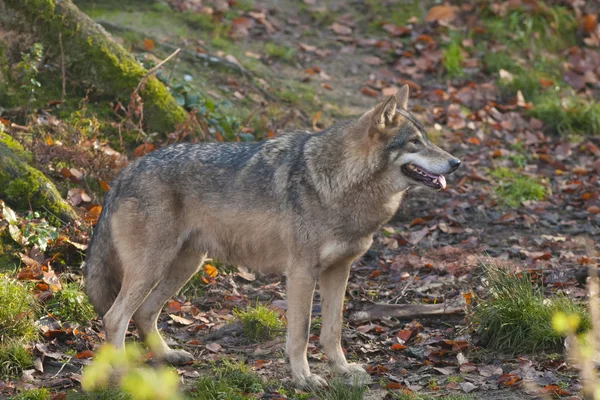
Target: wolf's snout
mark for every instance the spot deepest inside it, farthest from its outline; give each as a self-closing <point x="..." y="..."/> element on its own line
<point x="454" y="164"/>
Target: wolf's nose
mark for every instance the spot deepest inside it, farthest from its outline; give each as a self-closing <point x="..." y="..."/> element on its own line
<point x="454" y="164"/>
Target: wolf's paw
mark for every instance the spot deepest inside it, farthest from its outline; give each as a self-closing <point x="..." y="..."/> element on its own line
<point x="310" y="382"/>
<point x="355" y="373"/>
<point x="177" y="357"/>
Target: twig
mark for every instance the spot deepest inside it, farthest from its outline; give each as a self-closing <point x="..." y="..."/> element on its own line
<point x="61" y="368"/>
<point x="54" y="215"/>
<point x="379" y="311"/>
<point x="172" y="69"/>
<point x="62" y="66"/>
<point x="153" y="70"/>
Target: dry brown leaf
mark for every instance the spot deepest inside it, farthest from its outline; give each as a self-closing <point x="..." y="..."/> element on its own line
<point x="440" y="13"/>
<point x="341" y="29"/>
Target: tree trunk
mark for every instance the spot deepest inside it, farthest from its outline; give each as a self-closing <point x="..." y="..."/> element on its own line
<point x="23" y="186"/>
<point x="92" y="57"/>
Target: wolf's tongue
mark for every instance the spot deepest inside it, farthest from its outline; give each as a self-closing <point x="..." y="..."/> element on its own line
<point x="442" y="181"/>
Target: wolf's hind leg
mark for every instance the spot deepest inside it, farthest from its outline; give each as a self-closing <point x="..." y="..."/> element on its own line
<point x="146" y="317"/>
<point x="332" y="288"/>
<point x="300" y="289"/>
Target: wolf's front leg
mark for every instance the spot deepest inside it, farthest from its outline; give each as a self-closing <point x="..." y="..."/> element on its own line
<point x="300" y="289"/>
<point x="332" y="288"/>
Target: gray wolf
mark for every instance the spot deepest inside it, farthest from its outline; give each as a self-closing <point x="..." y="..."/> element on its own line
<point x="302" y="204"/>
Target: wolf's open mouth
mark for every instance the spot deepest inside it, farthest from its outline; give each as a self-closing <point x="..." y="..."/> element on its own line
<point x="421" y="175"/>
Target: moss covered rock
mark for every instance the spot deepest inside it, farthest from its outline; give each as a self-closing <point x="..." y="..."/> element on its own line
<point x="22" y="186"/>
<point x="92" y="57"/>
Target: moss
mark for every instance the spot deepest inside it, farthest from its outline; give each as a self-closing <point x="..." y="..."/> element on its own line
<point x="96" y="59"/>
<point x="23" y="186"/>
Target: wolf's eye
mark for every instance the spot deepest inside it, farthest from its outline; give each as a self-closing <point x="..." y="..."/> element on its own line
<point x="415" y="141"/>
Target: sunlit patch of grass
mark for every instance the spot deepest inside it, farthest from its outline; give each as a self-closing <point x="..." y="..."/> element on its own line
<point x="231" y="380"/>
<point x="71" y="305"/>
<point x="18" y="310"/>
<point x="340" y="390"/>
<point x="280" y="52"/>
<point x="393" y="12"/>
<point x="517" y="317"/>
<point x="452" y="58"/>
<point x="512" y="187"/>
<point x="573" y="115"/>
<point x="550" y="28"/>
<point x="259" y="323"/>
<point x="14" y="359"/>
<point x="33" y="394"/>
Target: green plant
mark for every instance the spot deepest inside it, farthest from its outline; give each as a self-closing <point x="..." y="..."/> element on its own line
<point x="513" y="187"/>
<point x="259" y="323"/>
<point x="33" y="394"/>
<point x="340" y="390"/>
<point x="28" y="71"/>
<point x="14" y="359"/>
<point x="36" y="230"/>
<point x="452" y="57"/>
<point x="71" y="304"/>
<point x="517" y="317"/>
<point x="283" y="53"/>
<point x="573" y="115"/>
<point x="18" y="311"/>
<point x="230" y="381"/>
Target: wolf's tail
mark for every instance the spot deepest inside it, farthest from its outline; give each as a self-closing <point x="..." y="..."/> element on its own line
<point x="102" y="271"/>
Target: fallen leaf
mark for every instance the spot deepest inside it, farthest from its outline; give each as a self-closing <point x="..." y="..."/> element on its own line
<point x="210" y="270"/>
<point x="214" y="347"/>
<point x="368" y="91"/>
<point x="181" y="320"/>
<point x="84" y="354"/>
<point x="398" y="346"/>
<point x="143" y="149"/>
<point x="172" y="307"/>
<point x="148" y="44"/>
<point x="440" y="13"/>
<point x="341" y="29"/>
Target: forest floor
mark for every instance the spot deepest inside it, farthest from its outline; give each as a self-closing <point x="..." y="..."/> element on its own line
<point x="509" y="87"/>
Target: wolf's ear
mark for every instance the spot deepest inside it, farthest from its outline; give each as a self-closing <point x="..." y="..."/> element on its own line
<point x="402" y="96"/>
<point x="384" y="114"/>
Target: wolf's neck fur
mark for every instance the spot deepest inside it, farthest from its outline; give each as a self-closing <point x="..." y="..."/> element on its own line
<point x="343" y="159"/>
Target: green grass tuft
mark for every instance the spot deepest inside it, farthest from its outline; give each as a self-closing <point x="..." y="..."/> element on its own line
<point x="513" y="187"/>
<point x="340" y="390"/>
<point x="574" y="115"/>
<point x="33" y="394"/>
<point x="516" y="317"/>
<point x="231" y="380"/>
<point x="280" y="52"/>
<point x="452" y="58"/>
<point x="259" y="323"/>
<point x="17" y="311"/>
<point x="71" y="305"/>
<point x="393" y="12"/>
<point x="14" y="359"/>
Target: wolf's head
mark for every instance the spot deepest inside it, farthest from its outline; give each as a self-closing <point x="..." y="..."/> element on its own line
<point x="410" y="157"/>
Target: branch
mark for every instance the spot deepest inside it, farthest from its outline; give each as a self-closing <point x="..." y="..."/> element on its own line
<point x="372" y="311"/>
